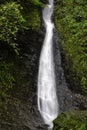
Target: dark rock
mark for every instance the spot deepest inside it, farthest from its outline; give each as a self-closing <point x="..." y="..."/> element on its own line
<point x="20" y="112"/>
<point x="68" y="99"/>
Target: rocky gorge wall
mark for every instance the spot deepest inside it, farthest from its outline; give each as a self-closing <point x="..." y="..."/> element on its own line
<point x="19" y="109"/>
<point x="19" y="112"/>
<point x="70" y="98"/>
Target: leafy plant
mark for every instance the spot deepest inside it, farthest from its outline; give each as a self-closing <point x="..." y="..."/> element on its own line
<point x="74" y="120"/>
<point x="70" y="18"/>
<point x="11" y="21"/>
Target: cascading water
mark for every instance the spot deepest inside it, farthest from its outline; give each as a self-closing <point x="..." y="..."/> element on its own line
<point x="47" y="98"/>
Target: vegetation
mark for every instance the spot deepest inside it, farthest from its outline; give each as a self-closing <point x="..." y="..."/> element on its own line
<point x="16" y="16"/>
<point x="6" y="79"/>
<point x="10" y="22"/>
<point x="73" y="120"/>
<point x="71" y="21"/>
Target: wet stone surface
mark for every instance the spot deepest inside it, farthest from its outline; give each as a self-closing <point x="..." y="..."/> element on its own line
<point x="19" y="112"/>
<point x="68" y="99"/>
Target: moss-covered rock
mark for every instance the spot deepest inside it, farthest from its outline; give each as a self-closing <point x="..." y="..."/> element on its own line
<point x="70" y="20"/>
<point x="18" y="108"/>
<point x="16" y="19"/>
<point x="18" y="16"/>
<point x="72" y="120"/>
<point x="31" y="14"/>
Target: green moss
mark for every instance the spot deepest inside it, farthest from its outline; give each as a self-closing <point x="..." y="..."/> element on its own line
<point x="16" y="16"/>
<point x="32" y="18"/>
<point x="6" y="79"/>
<point x="70" y="19"/>
<point x="11" y="21"/>
<point x="72" y="120"/>
<point x="31" y="13"/>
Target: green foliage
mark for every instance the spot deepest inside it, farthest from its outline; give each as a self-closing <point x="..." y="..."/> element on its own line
<point x="71" y="20"/>
<point x="33" y="18"/>
<point x="31" y="13"/>
<point x="11" y="21"/>
<point x="15" y="17"/>
<point x="6" y="79"/>
<point x="75" y="120"/>
<point x="37" y="2"/>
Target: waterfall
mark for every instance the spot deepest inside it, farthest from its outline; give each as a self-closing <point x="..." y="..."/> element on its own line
<point x="47" y="98"/>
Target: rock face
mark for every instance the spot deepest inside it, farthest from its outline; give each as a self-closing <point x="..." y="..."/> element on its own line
<point x="20" y="112"/>
<point x="73" y="52"/>
<point x="67" y="99"/>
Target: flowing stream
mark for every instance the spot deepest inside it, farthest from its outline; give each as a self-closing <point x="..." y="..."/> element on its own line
<point x="47" y="98"/>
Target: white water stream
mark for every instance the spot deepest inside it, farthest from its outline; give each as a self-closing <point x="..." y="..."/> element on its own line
<point x="47" y="98"/>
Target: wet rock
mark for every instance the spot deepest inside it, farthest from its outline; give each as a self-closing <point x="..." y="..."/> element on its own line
<point x="20" y="112"/>
<point x="67" y="99"/>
